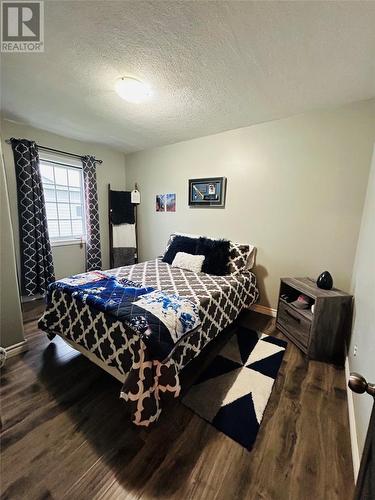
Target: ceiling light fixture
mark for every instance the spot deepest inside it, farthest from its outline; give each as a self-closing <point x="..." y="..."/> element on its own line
<point x="133" y="90"/>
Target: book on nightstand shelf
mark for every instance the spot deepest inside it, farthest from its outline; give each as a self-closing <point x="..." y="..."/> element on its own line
<point x="317" y="321"/>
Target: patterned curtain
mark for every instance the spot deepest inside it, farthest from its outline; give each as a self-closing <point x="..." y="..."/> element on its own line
<point x="93" y="252"/>
<point x="36" y="257"/>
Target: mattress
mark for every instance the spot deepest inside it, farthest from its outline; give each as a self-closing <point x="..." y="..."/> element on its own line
<point x="147" y="381"/>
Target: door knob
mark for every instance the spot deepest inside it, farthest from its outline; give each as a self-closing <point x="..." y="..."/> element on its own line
<point x="358" y="384"/>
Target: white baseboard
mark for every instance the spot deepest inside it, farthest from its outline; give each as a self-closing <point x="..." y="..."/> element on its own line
<point x="352" y="426"/>
<point x="268" y="311"/>
<point x="15" y="349"/>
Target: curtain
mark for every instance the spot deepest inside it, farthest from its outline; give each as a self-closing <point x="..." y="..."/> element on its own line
<point x="37" y="270"/>
<point x="93" y="252"/>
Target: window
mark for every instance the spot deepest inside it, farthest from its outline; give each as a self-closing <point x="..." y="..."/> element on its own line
<point x="63" y="193"/>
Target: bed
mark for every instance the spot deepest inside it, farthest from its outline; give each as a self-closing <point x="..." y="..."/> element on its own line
<point x="117" y="348"/>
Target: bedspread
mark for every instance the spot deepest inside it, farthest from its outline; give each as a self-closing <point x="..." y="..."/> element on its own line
<point x="149" y="381"/>
<point x="159" y="318"/>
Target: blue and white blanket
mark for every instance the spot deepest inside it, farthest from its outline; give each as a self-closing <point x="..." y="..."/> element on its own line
<point x="160" y="319"/>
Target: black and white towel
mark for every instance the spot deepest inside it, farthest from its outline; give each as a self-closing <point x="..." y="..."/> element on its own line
<point x="124" y="244"/>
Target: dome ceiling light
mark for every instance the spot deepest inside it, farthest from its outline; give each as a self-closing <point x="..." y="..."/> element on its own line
<point x="133" y="90"/>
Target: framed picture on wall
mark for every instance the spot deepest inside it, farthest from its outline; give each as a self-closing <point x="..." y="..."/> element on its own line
<point x="208" y="192"/>
<point x="165" y="202"/>
<point x="170" y="202"/>
<point x="160" y="203"/>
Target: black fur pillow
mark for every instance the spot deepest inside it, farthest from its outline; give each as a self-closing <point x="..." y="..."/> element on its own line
<point x="180" y="244"/>
<point x="216" y="254"/>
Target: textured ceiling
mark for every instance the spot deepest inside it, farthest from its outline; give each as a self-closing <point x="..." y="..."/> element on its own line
<point x="214" y="66"/>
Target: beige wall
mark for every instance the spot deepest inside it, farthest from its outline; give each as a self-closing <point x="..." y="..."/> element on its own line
<point x="296" y="190"/>
<point x="68" y="259"/>
<point x="363" y="288"/>
<point x="11" y="327"/>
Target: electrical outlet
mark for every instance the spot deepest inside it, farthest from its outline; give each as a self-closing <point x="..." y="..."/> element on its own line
<point x="355" y="350"/>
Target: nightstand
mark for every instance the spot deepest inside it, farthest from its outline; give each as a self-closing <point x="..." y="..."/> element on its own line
<point x="321" y="335"/>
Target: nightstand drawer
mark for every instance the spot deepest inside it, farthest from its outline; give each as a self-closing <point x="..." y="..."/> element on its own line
<point x="294" y="323"/>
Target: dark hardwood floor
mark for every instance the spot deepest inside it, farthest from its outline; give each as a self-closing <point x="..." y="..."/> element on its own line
<point x="65" y="434"/>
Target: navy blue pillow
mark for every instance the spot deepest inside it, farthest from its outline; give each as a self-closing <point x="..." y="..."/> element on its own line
<point x="216" y="254"/>
<point x="180" y="244"/>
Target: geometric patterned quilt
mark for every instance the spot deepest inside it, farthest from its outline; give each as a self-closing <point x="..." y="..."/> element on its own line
<point x="219" y="298"/>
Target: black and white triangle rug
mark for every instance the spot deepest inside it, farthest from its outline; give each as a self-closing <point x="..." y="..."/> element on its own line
<point x="233" y="391"/>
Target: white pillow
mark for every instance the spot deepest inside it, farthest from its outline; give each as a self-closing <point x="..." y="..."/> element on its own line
<point x="188" y="261"/>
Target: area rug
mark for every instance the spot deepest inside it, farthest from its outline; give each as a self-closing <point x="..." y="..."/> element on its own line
<point x="232" y="393"/>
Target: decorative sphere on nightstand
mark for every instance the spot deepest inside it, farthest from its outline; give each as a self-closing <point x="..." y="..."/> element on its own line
<point x="325" y="281"/>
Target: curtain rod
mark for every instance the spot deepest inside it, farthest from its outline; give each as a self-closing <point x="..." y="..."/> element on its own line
<point x="45" y="148"/>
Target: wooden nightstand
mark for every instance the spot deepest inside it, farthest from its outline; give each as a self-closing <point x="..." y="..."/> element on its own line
<point x="321" y="335"/>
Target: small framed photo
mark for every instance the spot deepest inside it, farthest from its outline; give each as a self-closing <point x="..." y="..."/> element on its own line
<point x="165" y="202"/>
<point x="171" y="202"/>
<point x="209" y="192"/>
<point x="160" y="203"/>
